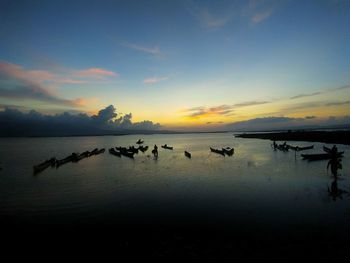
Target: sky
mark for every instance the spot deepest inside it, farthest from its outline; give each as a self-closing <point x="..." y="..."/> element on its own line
<point x="185" y="65"/>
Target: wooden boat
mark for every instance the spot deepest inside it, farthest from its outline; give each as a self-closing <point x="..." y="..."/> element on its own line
<point x="93" y="152"/>
<point x="66" y="160"/>
<point x="81" y="156"/>
<point x="41" y="167"/>
<point x="139" y="141"/>
<point x="143" y="148"/>
<point x="132" y="149"/>
<point x="114" y="152"/>
<point x="97" y="151"/>
<point x="217" y="151"/>
<point x="320" y="156"/>
<point x="298" y="148"/>
<point x="121" y="148"/>
<point x="167" y="147"/>
<point x="282" y="147"/>
<point x="127" y="154"/>
<point x="228" y="151"/>
<point x="327" y="150"/>
<point x="187" y="154"/>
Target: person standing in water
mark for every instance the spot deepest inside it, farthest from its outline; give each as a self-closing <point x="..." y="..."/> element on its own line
<point x="155" y="151"/>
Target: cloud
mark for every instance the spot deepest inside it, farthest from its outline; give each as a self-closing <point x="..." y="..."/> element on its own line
<point x="223" y="110"/>
<point x="199" y="112"/>
<point x="155" y="51"/>
<point x="343" y="87"/>
<point x="266" y="123"/>
<point x="338" y="103"/>
<point x="214" y="17"/>
<point x="13" y="122"/>
<point x="154" y="80"/>
<point x="306" y="95"/>
<point x="19" y="83"/>
<point x="250" y="103"/>
<point x="95" y="73"/>
<point x="261" y="16"/>
<point x="262" y="10"/>
<point x="283" y="123"/>
<point x="208" y="20"/>
<point x="16" y="83"/>
<point x="66" y="76"/>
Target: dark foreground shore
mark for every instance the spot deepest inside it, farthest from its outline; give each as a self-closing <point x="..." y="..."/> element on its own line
<point x="336" y="137"/>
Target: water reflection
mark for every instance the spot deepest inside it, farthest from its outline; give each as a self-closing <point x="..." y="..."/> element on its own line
<point x="335" y="164"/>
<point x="335" y="192"/>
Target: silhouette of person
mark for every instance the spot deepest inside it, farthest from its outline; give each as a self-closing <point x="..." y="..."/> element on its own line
<point x="335" y="164"/>
<point x="334" y="149"/>
<point x="155" y="151"/>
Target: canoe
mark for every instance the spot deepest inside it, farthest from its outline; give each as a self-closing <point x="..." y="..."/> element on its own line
<point x="41" y="167"/>
<point x="114" y="152"/>
<point x="320" y="156"/>
<point x="132" y="149"/>
<point x="282" y="147"/>
<point x="93" y="152"/>
<point x="327" y="150"/>
<point x="121" y="148"/>
<point x="66" y="160"/>
<point x="217" y="151"/>
<point x="298" y="148"/>
<point x="100" y="151"/>
<point x="81" y="156"/>
<point x="187" y="154"/>
<point x="143" y="148"/>
<point x="127" y="154"/>
<point x="139" y="141"/>
<point x="229" y="151"/>
<point x="167" y="147"/>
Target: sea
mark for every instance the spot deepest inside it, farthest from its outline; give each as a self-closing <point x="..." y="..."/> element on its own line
<point x="256" y="190"/>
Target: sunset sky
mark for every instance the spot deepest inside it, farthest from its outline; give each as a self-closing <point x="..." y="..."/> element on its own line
<point x="184" y="64"/>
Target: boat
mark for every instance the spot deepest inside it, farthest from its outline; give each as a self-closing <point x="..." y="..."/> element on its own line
<point x="327" y="150"/>
<point x="100" y="151"/>
<point x="143" y="148"/>
<point x="132" y="149"/>
<point x="114" y="152"/>
<point x="41" y="167"/>
<point x="127" y="154"/>
<point x="217" y="151"/>
<point x="93" y="152"/>
<point x="228" y="151"/>
<point x="81" y="156"/>
<point x="121" y="148"/>
<point x="282" y="147"/>
<point x="298" y="148"/>
<point x="139" y="141"/>
<point x="167" y="147"/>
<point x="66" y="160"/>
<point x="320" y="156"/>
<point x="187" y="154"/>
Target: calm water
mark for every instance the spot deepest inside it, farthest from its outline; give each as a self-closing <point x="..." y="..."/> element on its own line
<point x="256" y="185"/>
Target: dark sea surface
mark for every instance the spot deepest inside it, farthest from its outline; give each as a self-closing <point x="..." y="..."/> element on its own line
<point x="257" y="193"/>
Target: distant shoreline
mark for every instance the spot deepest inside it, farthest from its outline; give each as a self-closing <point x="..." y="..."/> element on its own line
<point x="336" y="137"/>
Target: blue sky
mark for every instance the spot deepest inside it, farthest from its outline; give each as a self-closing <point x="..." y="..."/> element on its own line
<point x="168" y="57"/>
